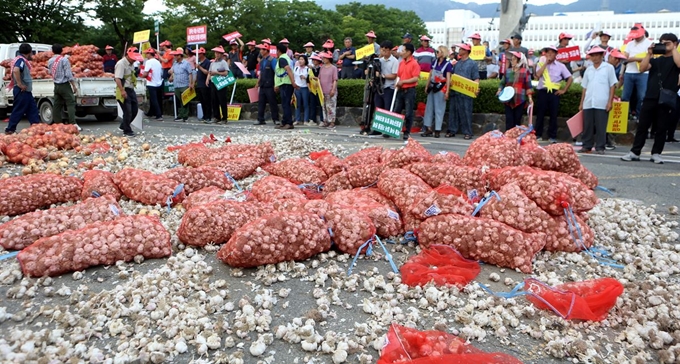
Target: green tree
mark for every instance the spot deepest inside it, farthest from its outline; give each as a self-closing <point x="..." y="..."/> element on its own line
<point x="318" y="24"/>
<point x="41" y="21"/>
<point x="121" y="18"/>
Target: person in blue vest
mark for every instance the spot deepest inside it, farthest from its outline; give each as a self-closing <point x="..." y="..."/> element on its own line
<point x="109" y="60"/>
<point x="284" y="82"/>
<point x="21" y="85"/>
<point x="265" y="85"/>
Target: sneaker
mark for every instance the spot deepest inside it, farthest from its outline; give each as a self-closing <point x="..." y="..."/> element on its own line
<point x="553" y="141"/>
<point x="386" y="136"/>
<point x="9" y="132"/>
<point x="288" y="127"/>
<point x="373" y="132"/>
<point x="610" y="147"/>
<point x="120" y="127"/>
<point x="578" y="144"/>
<point x="310" y="123"/>
<point x="210" y="121"/>
<point x="585" y="151"/>
<point x="178" y="119"/>
<point x="630" y="157"/>
<point x="599" y="152"/>
<point x="130" y="135"/>
<point x="78" y="127"/>
<point x="276" y="122"/>
<point x="159" y="119"/>
<point x="259" y="123"/>
<point x="406" y="136"/>
<point x="299" y="123"/>
<point x="656" y="158"/>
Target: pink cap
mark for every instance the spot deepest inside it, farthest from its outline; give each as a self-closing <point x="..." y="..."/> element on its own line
<point x="284" y="41"/>
<point x="316" y="57"/>
<point x="552" y="48"/>
<point x="425" y="38"/>
<point x="328" y="55"/>
<point x="108" y="47"/>
<point x="517" y="54"/>
<point x="329" y="44"/>
<point x="617" y="54"/>
<point x="371" y="34"/>
<point x="308" y="44"/>
<point x="464" y="46"/>
<point x="262" y="46"/>
<point x="135" y="56"/>
<point x="475" y="36"/>
<point x="566" y="36"/>
<point x="266" y="41"/>
<point x="218" y="50"/>
<point x="251" y="43"/>
<point x="150" y="51"/>
<point x="596" y="49"/>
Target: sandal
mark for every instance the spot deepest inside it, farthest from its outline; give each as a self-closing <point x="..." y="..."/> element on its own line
<point x="436" y="134"/>
<point x="427" y="133"/>
<point x="330" y="126"/>
<point x="450" y="135"/>
<point x="467" y="137"/>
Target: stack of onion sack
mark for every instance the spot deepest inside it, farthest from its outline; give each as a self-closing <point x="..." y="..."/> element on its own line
<point x="200" y="154"/>
<point x="99" y="183"/>
<point x="85" y="62"/>
<point x="440" y="264"/>
<point x="196" y="178"/>
<point x="23" y="194"/>
<point x="148" y="188"/>
<point x="24" y="230"/>
<point x="18" y="152"/>
<point x="410" y="346"/>
<point x="96" y="244"/>
<point x="297" y="170"/>
<point x="276" y="238"/>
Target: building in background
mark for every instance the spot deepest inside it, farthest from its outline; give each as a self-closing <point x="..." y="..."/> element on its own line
<point x="541" y="31"/>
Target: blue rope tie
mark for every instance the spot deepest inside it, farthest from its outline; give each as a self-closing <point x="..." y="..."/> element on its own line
<point x="599" y="254"/>
<point x="484" y="201"/>
<point x="354" y="261"/>
<point x="9" y="255"/>
<point x="96" y="194"/>
<point x="388" y="255"/>
<point x="371" y="185"/>
<point x="527" y="132"/>
<point x="518" y="292"/>
<point x="174" y="165"/>
<point x="177" y="191"/>
<point x="114" y="209"/>
<point x="604" y="189"/>
<point x="410" y="236"/>
<point x="233" y="181"/>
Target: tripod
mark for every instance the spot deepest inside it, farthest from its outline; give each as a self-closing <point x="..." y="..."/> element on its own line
<point x="372" y="86"/>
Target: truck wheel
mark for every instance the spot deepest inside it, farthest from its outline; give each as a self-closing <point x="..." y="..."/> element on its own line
<point x="46" y="112"/>
<point x="106" y="117"/>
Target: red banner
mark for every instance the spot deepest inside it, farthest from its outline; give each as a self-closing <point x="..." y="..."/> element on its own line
<point x="197" y="34"/>
<point x="231" y="36"/>
<point x="569" y="54"/>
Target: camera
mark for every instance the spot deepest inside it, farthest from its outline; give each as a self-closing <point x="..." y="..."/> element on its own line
<point x="659" y="48"/>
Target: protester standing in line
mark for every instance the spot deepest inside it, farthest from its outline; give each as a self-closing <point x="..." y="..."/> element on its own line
<point x="347" y="56"/>
<point x="550" y="74"/>
<point x="125" y="93"/>
<point x="492" y="70"/>
<point x="660" y="98"/>
<point x="190" y="56"/>
<point x="289" y="52"/>
<point x="328" y="78"/>
<point x="202" y="85"/>
<point x="482" y="63"/>
<point x="634" y="78"/>
<point x="284" y="82"/>
<point x="599" y="84"/>
<point x="166" y="58"/>
<point x="265" y="84"/>
<point x="460" y="110"/>
<point x="437" y="89"/>
<point x="370" y="39"/>
<point x="407" y="80"/>
<point x="503" y="57"/>
<point x="153" y="72"/>
<point x="425" y="55"/>
<point x="564" y="39"/>
<point x="250" y="57"/>
<point x="65" y="87"/>
<point x="519" y="78"/>
<point x="21" y="85"/>
<point x="301" y="72"/>
<point x="182" y="77"/>
<point x="406" y="39"/>
<point x="109" y="59"/>
<point x="218" y="98"/>
<point x="235" y="55"/>
<point x="314" y="100"/>
<point x="389" y="66"/>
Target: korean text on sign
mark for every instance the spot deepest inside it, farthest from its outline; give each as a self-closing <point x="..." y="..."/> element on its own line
<point x="464" y="86"/>
<point x="478" y="53"/>
<point x="618" y="118"/>
<point x="388" y="123"/>
<point x="569" y="54"/>
<point x="197" y="34"/>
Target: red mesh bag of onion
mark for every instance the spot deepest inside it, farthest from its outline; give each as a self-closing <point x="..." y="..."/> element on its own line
<point x="96" y="244"/>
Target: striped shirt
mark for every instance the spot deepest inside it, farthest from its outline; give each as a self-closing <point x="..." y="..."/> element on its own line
<point x="181" y="71"/>
<point x="61" y="72"/>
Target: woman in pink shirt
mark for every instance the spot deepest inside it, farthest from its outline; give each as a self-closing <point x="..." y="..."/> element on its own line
<point x="328" y="78"/>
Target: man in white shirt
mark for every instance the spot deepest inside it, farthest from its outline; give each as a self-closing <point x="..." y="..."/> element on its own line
<point x="389" y="65"/>
<point x="599" y="84"/>
<point x="635" y="51"/>
<point x="153" y="72"/>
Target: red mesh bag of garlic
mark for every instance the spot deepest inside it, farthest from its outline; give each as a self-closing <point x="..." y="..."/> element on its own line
<point x="22" y="194"/>
<point x="565" y="157"/>
<point x="216" y="221"/>
<point x="290" y="204"/>
<point x="482" y="239"/>
<point x="99" y="183"/>
<point x="386" y="220"/>
<point x="374" y="194"/>
<point x="193" y="154"/>
<point x="337" y="182"/>
<point x="276" y="238"/>
<point x="18" y="152"/>
<point x="560" y="238"/>
<point x="272" y="188"/>
<point x="537" y="157"/>
<point x="364" y="175"/>
<point x="203" y="196"/>
<point x="435" y="203"/>
<point x="365" y="156"/>
<point x="196" y="178"/>
<point x="517" y="210"/>
<point x="100" y="243"/>
<point x="199" y="155"/>
<point x="492" y="149"/>
<point x="297" y="170"/>
<point x="586" y="176"/>
<point x="238" y="168"/>
<point x="444" y="157"/>
<point x="318" y="207"/>
<point x="582" y="197"/>
<point x="413" y="152"/>
<point x="350" y="228"/>
<point x="463" y="178"/>
<point x="330" y="164"/>
<point x="147" y="188"/>
<point x="24" y="230"/>
<point x="402" y="187"/>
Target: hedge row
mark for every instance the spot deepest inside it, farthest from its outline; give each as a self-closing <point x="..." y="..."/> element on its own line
<point x="351" y="93"/>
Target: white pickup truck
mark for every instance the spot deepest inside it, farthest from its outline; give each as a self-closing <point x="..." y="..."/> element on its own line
<point x="96" y="96"/>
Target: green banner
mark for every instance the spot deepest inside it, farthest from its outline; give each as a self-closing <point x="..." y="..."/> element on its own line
<point x="168" y="87"/>
<point x="223" y="81"/>
<point x="388" y="123"/>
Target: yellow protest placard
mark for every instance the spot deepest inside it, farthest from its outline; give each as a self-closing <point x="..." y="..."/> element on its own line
<point x="623" y="48"/>
<point x="640" y="55"/>
<point x="315" y="87"/>
<point x="618" y="118"/>
<point x="234" y="112"/>
<point x="464" y="86"/>
<point x="145" y="46"/>
<point x="478" y="53"/>
<point x="364" y="51"/>
<point x="188" y="95"/>
<point x="141" y="36"/>
<point x="424" y="76"/>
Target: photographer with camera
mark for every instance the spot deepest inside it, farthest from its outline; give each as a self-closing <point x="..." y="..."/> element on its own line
<point x="437" y="90"/>
<point x="381" y="74"/>
<point x="660" y="99"/>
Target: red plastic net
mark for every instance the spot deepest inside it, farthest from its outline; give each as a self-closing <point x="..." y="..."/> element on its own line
<point x="492" y="149"/>
<point x="196" y="178"/>
<point x="565" y="157"/>
<point x="444" y="157"/>
<point x="365" y="156"/>
<point x="99" y="183"/>
<point x="238" y="168"/>
<point x="148" y="188"/>
<point x="23" y="194"/>
<point x="272" y="188"/>
<point x="413" y="152"/>
<point x="365" y="175"/>
<point x="337" y="182"/>
<point x="203" y="196"/>
<point x="297" y="170"/>
<point x="216" y="221"/>
<point x="440" y="264"/>
<point x="350" y="228"/>
<point x="330" y="164"/>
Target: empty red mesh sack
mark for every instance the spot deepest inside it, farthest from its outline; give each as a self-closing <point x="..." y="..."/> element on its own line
<point x="23" y="194"/>
<point x="566" y="159"/>
<point x="99" y="243"/>
<point x="586" y="176"/>
<point x="365" y="156"/>
<point x="517" y="210"/>
<point x="196" y="178"/>
<point x="148" y="188"/>
<point x="238" y="168"/>
<point x="492" y="149"/>
<point x="410" y="346"/>
<point x="216" y="221"/>
<point x="297" y="170"/>
<point x="413" y="152"/>
<point x="445" y="157"/>
<point x="275" y="238"/>
<point x="560" y="239"/>
<point x="329" y="164"/>
<point x="588" y="300"/>
<point x="482" y="239"/>
<point x="464" y="178"/>
<point x="337" y="182"/>
<point x="350" y="228"/>
<point x="272" y="188"/>
<point x="21" y="232"/>
<point x="440" y="264"/>
<point x="203" y="196"/>
<point x="364" y="175"/>
<point x="99" y="183"/>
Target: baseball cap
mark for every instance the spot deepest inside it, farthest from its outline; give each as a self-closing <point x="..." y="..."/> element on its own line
<point x="565" y="36"/>
<point x="407" y="36"/>
<point x="464" y="46"/>
<point x="475" y="36"/>
<point x="516" y="36"/>
<point x="596" y="49"/>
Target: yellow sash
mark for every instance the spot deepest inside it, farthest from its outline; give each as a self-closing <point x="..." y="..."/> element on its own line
<point x="551" y="86"/>
<point x="133" y="80"/>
